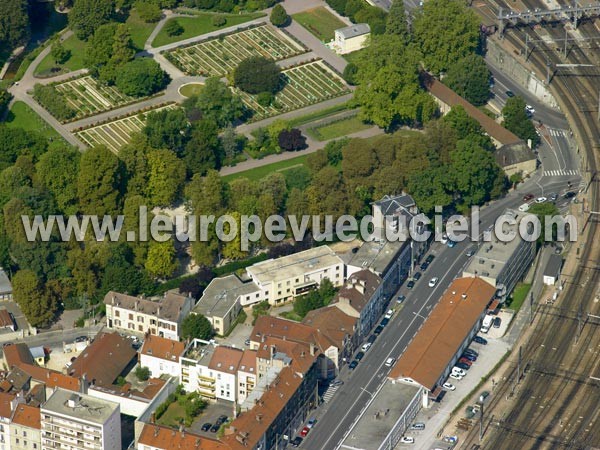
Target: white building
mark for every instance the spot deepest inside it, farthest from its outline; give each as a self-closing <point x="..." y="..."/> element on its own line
<point x="8" y="403"/>
<point x="25" y="431"/>
<point x="246" y="375"/>
<point x="70" y="420"/>
<point x="350" y="39"/>
<point x="161" y="356"/>
<point x="5" y="286"/>
<point x="159" y="316"/>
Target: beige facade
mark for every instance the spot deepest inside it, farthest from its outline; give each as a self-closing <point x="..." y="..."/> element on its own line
<point x="350" y="39"/>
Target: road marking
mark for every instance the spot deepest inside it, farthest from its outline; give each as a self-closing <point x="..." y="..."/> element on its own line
<point x="560" y="173"/>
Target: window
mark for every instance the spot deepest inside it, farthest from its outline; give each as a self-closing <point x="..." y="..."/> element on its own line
<point x="130" y="316"/>
<point x="278" y="285"/>
<point x="288" y="283"/>
<point x="278" y="292"/>
<point x="140" y="328"/>
<point x="117" y="313"/>
<point x="25" y="434"/>
<point x="140" y="318"/>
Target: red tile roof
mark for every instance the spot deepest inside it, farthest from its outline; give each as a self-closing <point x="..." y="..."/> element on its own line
<point x="248" y="362"/>
<point x="292" y="331"/>
<point x="6" y="320"/>
<point x="446" y="328"/>
<point x="225" y="359"/>
<point x="332" y="322"/>
<point x="358" y="290"/>
<point x="5" y="404"/>
<point x="160" y="347"/>
<point x="27" y="416"/>
<point x="167" y="439"/>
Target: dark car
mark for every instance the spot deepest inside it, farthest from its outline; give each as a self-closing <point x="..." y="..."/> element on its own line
<point x="401" y="299"/>
<point x="359" y="356"/>
<point x="528" y="197"/>
<point x="471" y="352"/>
<point x="510" y="94"/>
<point x="424" y="266"/>
<point x="384" y="322"/>
<point x="480" y="340"/>
<point x="221" y="420"/>
<point x="353" y="365"/>
<point x="215" y="428"/>
<point x="463" y="366"/>
<point x="466" y="361"/>
<point x="206" y="426"/>
<point x="417" y="276"/>
<point x="296" y="441"/>
<point x="372" y="338"/>
<point x="469" y="356"/>
<point x="553" y="197"/>
<point x="378" y="330"/>
<point x="497" y="322"/>
<point x="81" y="339"/>
<point x="410" y="284"/>
<point x="570" y="194"/>
<point x="472" y="250"/>
<point x="429" y="259"/>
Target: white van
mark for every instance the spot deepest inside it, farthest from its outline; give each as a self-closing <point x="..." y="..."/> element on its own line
<point x="390" y="362"/>
<point x="487" y="323"/>
<point x="524" y="207"/>
<point x="366" y="346"/>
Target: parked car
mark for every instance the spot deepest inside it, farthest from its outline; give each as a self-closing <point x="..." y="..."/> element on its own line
<point x="424" y="265"/>
<point x="384" y="322"/>
<point x="451" y="243"/>
<point x="524" y="207"/>
<point x="444" y="238"/>
<point x="417" y="276"/>
<point x="222" y="419"/>
<point x="463" y="366"/>
<point x="530" y="109"/>
<point x="407" y="440"/>
<point x="553" y="197"/>
<point x="541" y="200"/>
<point x="469" y="356"/>
<point x="450" y="439"/>
<point x="470" y="351"/>
<point x="311" y="422"/>
<point x="466" y="361"/>
<point x="378" y="329"/>
<point x="480" y="340"/>
<point x="497" y="322"/>
<point x="353" y="365"/>
<point x="215" y="428"/>
<point x="433" y="282"/>
<point x="510" y="94"/>
<point x="304" y="431"/>
<point x="206" y="426"/>
<point x="247" y="342"/>
<point x="417" y="426"/>
<point x="390" y="362"/>
<point x="429" y="259"/>
<point x="366" y="346"/>
<point x="83" y="338"/>
<point x="570" y="194"/>
<point x="359" y="356"/>
<point x="456" y="376"/>
<point x="336" y="383"/>
<point x="528" y="197"/>
<point x="471" y="250"/>
<point x="401" y="299"/>
<point x="459" y="371"/>
<point x="296" y="441"/>
<point x="449" y="386"/>
<point x="410" y="284"/>
<point x="372" y="338"/>
<point x="389" y="314"/>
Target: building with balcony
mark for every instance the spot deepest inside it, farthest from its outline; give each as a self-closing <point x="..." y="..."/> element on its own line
<point x="25" y="429"/>
<point x="76" y="421"/>
<point x="157" y="316"/>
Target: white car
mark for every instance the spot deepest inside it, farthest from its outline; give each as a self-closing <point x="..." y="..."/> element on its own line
<point x="456" y="376"/>
<point x="541" y="200"/>
<point x="449" y="386"/>
<point x="389" y="314"/>
<point x="444" y="239"/>
<point x="458" y="371"/>
<point x="366" y="346"/>
<point x="390" y="362"/>
<point x="524" y="207"/>
<point x="433" y="282"/>
<point x="530" y="109"/>
<point x="407" y="440"/>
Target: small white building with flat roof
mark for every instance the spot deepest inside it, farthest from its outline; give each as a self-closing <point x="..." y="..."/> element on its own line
<point x="351" y="38"/>
<point x="5" y="286"/>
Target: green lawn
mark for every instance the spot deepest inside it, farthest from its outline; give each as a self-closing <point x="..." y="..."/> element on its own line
<point x="22" y="116"/>
<point x="320" y="22"/>
<point x="200" y="24"/>
<point x="263" y="171"/>
<point x="75" y="62"/>
<point x="338" y="129"/>
<point x="172" y="416"/>
<point x="518" y="296"/>
<point x="187" y="90"/>
<point x="295" y="122"/>
<point x="140" y="30"/>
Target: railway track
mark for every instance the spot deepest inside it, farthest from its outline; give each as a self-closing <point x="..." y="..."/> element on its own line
<point x="556" y="404"/>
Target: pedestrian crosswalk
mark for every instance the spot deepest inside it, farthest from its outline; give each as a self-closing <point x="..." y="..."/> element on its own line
<point x="329" y="393"/>
<point x="560" y="173"/>
<point x="557" y="132"/>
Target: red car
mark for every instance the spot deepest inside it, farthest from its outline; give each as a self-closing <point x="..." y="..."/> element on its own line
<point x="466" y="361"/>
<point x="528" y="197"/>
<point x="304" y="431"/>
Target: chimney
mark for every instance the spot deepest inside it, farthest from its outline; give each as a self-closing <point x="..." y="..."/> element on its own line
<point x="273" y="349"/>
<point x="158" y="311"/>
<point x="152" y="418"/>
<point x="312" y="350"/>
<point x="137" y="303"/>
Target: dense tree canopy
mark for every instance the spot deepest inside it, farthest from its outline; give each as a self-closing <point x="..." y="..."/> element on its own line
<point x="110" y="48"/>
<point x="470" y="77"/>
<point x="14" y="23"/>
<point x="196" y="326"/>
<point x="516" y="120"/>
<point x="38" y="305"/>
<point x="141" y="77"/>
<point x="215" y="102"/>
<point x="87" y="15"/>
<point x="166" y="174"/>
<point x="168" y="129"/>
<point x="257" y="74"/>
<point x="279" y="16"/>
<point x="57" y="170"/>
<point x="397" y="22"/>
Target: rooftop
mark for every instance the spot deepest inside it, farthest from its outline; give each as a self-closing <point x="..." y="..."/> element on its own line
<point x="390" y="204"/>
<point x="6" y="404"/>
<point x="377" y="256"/>
<point x="162" y="348"/>
<point x="5" y="285"/>
<point x="554" y="265"/>
<point x="166" y="438"/>
<point x="354" y="30"/>
<point x="248" y="362"/>
<point x="27" y="416"/>
<point x="332" y="322"/>
<point x="511" y="154"/>
<point x="104" y="359"/>
<point x="199" y="351"/>
<point x="80" y="406"/>
<point x="289" y="330"/>
<point x="168" y="307"/>
<point x="451" y="98"/>
<point x="441" y="335"/>
<point x="221" y="294"/>
<point x="358" y="289"/>
<point x="6" y="319"/>
<point x="226" y="359"/>
<point x="295" y="265"/>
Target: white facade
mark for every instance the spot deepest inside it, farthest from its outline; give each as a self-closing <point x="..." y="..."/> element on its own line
<point x="351" y="38"/>
<point x="160" y="366"/>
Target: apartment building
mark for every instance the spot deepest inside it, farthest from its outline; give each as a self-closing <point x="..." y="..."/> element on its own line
<point x="8" y="403"/>
<point x="161" y="356"/>
<point x="246" y="375"/>
<point x="157" y="316"/>
<point x="25" y="429"/>
<point x="70" y="420"/>
<point x="156" y="437"/>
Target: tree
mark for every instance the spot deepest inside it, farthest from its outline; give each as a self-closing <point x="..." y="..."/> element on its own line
<point x="57" y="170"/>
<point x="141" y="77"/>
<point x="349" y="73"/>
<point x="396" y="21"/>
<point x="257" y="74"/>
<point x="56" y="104"/>
<point x="166" y="175"/>
<point x="446" y="31"/>
<point x="203" y="151"/>
<point x="462" y="123"/>
<point x="230" y="143"/>
<point x="59" y="53"/>
<point x="168" y="128"/>
<point x="374" y="16"/>
<point x="5" y="98"/>
<point x="29" y="293"/>
<point x="14" y="23"/>
<point x="291" y="140"/>
<point x="100" y="182"/>
<point x="315" y="299"/>
<point x="149" y="12"/>
<point x="545" y="211"/>
<point x="219" y="20"/>
<point x="17" y="141"/>
<point x="516" y="120"/>
<point x="196" y="326"/>
<point x="429" y="188"/>
<point x="173" y="28"/>
<point x="469" y="77"/>
<point x="216" y="102"/>
<point x="134" y="157"/>
<point x="87" y="15"/>
<point x="142" y="373"/>
<point x="161" y="262"/>
<point x="279" y="16"/>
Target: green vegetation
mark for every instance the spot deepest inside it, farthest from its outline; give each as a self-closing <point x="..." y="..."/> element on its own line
<point x="179" y="409"/>
<point x="518" y="296"/>
<point x="291" y="315"/>
<point x="317" y="298"/>
<point x="517" y="121"/>
<point x="279" y="16"/>
<point x="22" y="116"/>
<point x="76" y="49"/>
<point x="139" y="29"/>
<point x="470" y="77"/>
<point x="338" y="129"/>
<point x="196" y="326"/>
<point x="191" y="89"/>
<point x="359" y="11"/>
<point x="142" y="373"/>
<point x="262" y="171"/>
<point x="320" y="114"/>
<point x="200" y="24"/>
<point x="319" y="22"/>
<point x="256" y="75"/>
<point x="260" y="309"/>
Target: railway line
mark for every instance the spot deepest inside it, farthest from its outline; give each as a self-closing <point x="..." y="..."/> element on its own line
<point x="556" y="404"/>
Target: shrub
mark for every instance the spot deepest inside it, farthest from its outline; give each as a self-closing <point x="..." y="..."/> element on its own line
<point x="219" y="20"/>
<point x="50" y="98"/>
<point x="291" y="140"/>
<point x="148" y="12"/>
<point x="141" y="77"/>
<point x="264" y="99"/>
<point x="173" y="28"/>
<point x="279" y="16"/>
<point x="142" y="373"/>
<point x="257" y="74"/>
<point x="349" y="74"/>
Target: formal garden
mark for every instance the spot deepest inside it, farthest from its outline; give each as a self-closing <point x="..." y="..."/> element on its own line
<point x="303" y="85"/>
<point x="221" y="55"/>
<point x="116" y="133"/>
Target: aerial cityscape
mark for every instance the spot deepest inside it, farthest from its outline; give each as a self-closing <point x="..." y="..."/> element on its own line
<point x="312" y="224"/>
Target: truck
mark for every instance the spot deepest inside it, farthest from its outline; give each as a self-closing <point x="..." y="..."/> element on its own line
<point x="487" y="323"/>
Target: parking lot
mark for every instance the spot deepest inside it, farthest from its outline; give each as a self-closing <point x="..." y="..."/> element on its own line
<point x="506" y="316"/>
<point x="210" y="415"/>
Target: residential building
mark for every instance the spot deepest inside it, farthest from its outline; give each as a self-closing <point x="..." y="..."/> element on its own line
<point x="516" y="158"/>
<point x="448" y="330"/>
<point x="71" y="420"/>
<point x="7" y="321"/>
<point x="5" y="286"/>
<point x="552" y="270"/>
<point x="8" y="403"/>
<point x="502" y="263"/>
<point x="246" y="375"/>
<point x="158" y="316"/>
<point x="39" y="355"/>
<point x="361" y="297"/>
<point x="350" y="39"/>
<point x="223" y="299"/>
<point x="394" y="213"/>
<point x="25" y="432"/>
<point x="156" y="437"/>
<point x="283" y="279"/>
<point x="161" y="355"/>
